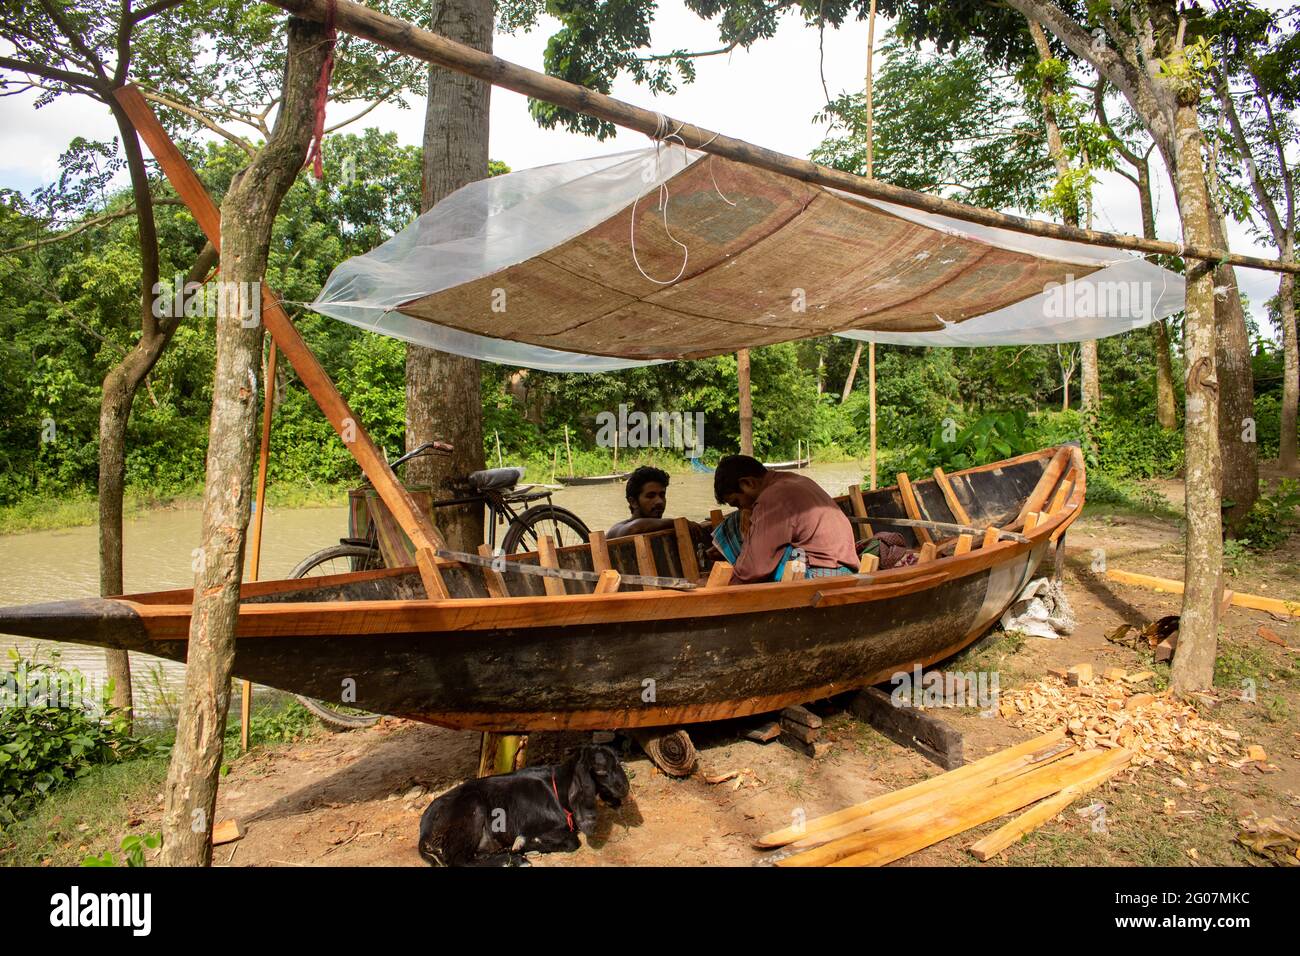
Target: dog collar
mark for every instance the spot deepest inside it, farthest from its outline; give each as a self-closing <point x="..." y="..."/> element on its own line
<point x="568" y="814"/>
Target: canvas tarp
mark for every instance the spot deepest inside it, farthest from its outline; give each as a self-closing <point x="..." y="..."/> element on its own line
<point x="576" y="267"/>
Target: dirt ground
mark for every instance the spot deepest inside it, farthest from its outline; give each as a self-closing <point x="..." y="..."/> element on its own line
<point x="355" y="799"/>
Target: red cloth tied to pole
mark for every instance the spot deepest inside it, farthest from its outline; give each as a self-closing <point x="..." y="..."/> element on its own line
<point x="314" y="154"/>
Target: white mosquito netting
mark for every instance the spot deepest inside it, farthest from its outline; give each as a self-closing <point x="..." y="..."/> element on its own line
<point x="580" y="267"/>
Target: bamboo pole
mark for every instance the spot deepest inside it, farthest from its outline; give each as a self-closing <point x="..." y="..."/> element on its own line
<point x="871" y="400"/>
<point x="259" y="513"/>
<point x="567" y="450"/>
<point x="500" y="461"/>
<point x="746" y="403"/>
<point x="404" y="37"/>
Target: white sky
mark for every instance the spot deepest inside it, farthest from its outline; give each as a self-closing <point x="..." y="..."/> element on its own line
<point x="767" y="95"/>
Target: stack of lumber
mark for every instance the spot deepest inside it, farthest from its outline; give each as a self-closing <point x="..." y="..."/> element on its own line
<point x="801" y="731"/>
<point x="1049" y="768"/>
<point x="1113" y="711"/>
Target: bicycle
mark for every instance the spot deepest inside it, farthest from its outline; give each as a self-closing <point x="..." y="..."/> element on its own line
<point x="497" y="489"/>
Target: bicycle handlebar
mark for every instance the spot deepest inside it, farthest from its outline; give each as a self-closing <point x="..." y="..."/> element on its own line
<point x="441" y="447"/>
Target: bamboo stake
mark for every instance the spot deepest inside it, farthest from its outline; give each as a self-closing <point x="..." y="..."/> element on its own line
<point x="259" y="514"/>
<point x="871" y="400"/>
<point x="567" y="450"/>
<point x="430" y="47"/>
<point x="500" y="461"/>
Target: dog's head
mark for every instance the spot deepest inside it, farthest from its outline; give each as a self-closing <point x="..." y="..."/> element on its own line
<point x="599" y="771"/>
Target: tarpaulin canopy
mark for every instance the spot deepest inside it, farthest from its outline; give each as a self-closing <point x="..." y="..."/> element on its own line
<point x="667" y="253"/>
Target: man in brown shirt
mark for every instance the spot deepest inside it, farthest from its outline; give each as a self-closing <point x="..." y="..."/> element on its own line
<point x="787" y="510"/>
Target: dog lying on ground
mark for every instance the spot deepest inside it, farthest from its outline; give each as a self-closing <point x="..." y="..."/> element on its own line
<point x="495" y="820"/>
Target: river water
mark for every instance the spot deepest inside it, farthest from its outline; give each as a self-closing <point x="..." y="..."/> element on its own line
<point x="53" y="565"/>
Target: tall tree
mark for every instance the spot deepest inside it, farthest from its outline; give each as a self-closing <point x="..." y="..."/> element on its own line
<point x="247" y="215"/>
<point x="1140" y="176"/>
<point x="442" y="390"/>
<point x="1257" y="91"/>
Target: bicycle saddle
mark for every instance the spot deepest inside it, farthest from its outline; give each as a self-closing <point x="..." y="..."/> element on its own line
<point x="495" y="479"/>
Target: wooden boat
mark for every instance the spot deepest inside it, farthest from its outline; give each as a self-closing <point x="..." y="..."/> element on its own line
<point x="592" y="479"/>
<point x="788" y="465"/>
<point x="552" y="655"/>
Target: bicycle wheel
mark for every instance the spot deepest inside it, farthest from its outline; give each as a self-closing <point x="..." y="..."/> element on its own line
<point x="560" y="523"/>
<point x="338" y="559"/>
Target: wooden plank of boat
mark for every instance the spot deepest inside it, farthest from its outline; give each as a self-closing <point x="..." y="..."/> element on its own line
<point x="552" y="572"/>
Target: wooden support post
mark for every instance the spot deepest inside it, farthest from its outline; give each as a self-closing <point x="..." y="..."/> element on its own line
<point x="609" y="581"/>
<point x="686" y="549"/>
<point x="868" y="564"/>
<point x="928" y="552"/>
<point x="950" y="496"/>
<point x="991" y="538"/>
<point x="356" y="439"/>
<point x="1031" y="521"/>
<point x="859" y="511"/>
<point x="496" y="584"/>
<point x="715" y="517"/>
<point x="645" y="559"/>
<point x="599" y="551"/>
<point x="547" y="559"/>
<point x="912" y="508"/>
<point x="964" y="542"/>
<point x="719" y="575"/>
<point x="909" y="726"/>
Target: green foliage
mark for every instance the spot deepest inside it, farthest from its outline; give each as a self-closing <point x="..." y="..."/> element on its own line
<point x="1274" y="516"/>
<point x="281" y="723"/>
<point x="132" y="847"/>
<point x="989" y="438"/>
<point x="50" y="735"/>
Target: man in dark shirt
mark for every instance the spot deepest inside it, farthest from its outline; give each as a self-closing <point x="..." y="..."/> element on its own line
<point x="787" y="511"/>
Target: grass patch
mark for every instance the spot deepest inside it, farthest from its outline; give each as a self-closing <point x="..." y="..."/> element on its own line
<point x="86" y="817"/>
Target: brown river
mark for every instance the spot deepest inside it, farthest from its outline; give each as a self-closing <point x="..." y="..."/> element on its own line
<point x="53" y="565"/>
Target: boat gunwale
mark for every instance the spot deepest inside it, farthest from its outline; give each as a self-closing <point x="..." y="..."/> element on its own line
<point x="171" y="621"/>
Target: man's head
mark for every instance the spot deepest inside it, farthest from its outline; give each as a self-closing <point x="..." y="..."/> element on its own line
<point x="736" y="481"/>
<point x="647" y="492"/>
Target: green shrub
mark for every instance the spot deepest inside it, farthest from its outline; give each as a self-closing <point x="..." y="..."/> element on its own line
<point x="1273" y="516"/>
<point x="51" y="735"/>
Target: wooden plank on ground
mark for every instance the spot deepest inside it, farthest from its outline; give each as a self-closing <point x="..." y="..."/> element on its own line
<point x="1020" y="758"/>
<point x="1255" y="602"/>
<point x="1033" y="818"/>
<point x="227" y="831"/>
<point x="927" y="735"/>
<point x="940" y="818"/>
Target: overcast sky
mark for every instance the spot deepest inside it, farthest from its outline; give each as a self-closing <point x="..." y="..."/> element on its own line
<point x="767" y="95"/>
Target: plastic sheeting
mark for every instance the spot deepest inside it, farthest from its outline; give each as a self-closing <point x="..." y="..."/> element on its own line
<point x="579" y="267"/>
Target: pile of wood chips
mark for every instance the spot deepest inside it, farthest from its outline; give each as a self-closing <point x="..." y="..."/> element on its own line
<point x="1112" y="711"/>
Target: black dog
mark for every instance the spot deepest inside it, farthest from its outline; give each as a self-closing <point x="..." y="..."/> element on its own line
<point x="494" y="820"/>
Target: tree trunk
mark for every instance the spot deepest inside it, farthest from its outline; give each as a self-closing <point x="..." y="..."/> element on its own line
<point x="443" y="400"/>
<point x="120" y="386"/>
<point x="1089" y="379"/>
<point x="1286" y="454"/>
<point x="1166" y="411"/>
<point x="853" y="373"/>
<point x="746" y="403"/>
<point x="1237" y="446"/>
<point x="1193" y="667"/>
<point x="247" y="215"/>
